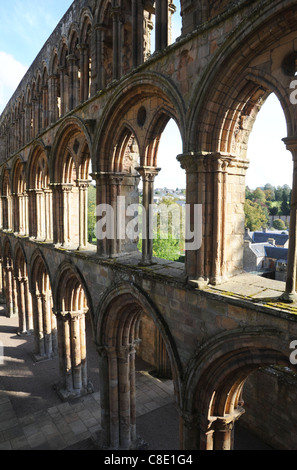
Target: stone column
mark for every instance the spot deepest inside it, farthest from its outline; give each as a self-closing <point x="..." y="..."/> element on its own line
<point x="290" y="294"/>
<point x="124" y="398"/>
<point x="53" y="113"/>
<point x="23" y="323"/>
<point x="72" y="355"/>
<point x="48" y="215"/>
<point x="148" y="175"/>
<point x="64" y="85"/>
<point x="161" y="24"/>
<point x="100" y="31"/>
<point x="44" y="106"/>
<point x="2" y="283"/>
<point x="117" y="62"/>
<point x="40" y="214"/>
<point x="137" y="32"/>
<point x="29" y="307"/>
<point x="108" y="213"/>
<point x="104" y="395"/>
<point x="73" y="89"/>
<point x="39" y="353"/>
<point x="84" y="73"/>
<point x="83" y="212"/>
<point x="224" y="430"/>
<point x="10" y="311"/>
<point x="66" y="212"/>
<point x="214" y="215"/>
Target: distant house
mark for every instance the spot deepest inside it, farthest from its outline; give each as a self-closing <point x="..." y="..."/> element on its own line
<point x="254" y="256"/>
<point x="276" y="260"/>
<point x="265" y="259"/>
<point x="281" y="239"/>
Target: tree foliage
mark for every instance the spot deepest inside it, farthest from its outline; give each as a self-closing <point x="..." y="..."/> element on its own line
<point x="262" y="202"/>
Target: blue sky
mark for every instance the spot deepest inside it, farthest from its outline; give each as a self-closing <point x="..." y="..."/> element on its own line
<point x="27" y="24"/>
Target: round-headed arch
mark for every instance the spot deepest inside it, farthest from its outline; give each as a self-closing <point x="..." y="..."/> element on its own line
<point x="217" y="372"/>
<point x="39" y="274"/>
<point x="70" y="291"/>
<point x="38" y="175"/>
<point x="226" y="101"/>
<point x="147" y="103"/>
<point x="70" y="154"/>
<point x="119" y="314"/>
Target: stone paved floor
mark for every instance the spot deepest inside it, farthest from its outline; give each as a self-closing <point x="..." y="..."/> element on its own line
<point x="32" y="417"/>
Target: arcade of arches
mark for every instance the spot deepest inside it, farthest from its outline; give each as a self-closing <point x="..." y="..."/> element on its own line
<point x="93" y="107"/>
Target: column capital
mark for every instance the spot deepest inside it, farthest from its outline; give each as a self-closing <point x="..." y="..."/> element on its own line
<point x="148" y="173"/>
<point x="291" y="145"/>
<point x="81" y="183"/>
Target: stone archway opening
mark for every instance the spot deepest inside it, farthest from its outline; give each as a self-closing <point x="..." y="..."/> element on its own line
<point x="169" y="197"/>
<point x="215" y="391"/>
<point x="135" y="374"/>
<point x="268" y="195"/>
<point x="71" y="310"/>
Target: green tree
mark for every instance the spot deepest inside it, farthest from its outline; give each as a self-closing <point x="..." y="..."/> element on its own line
<point x="256" y="215"/>
<point x="91" y="214"/>
<point x="285" y="206"/>
<point x="279" y="224"/>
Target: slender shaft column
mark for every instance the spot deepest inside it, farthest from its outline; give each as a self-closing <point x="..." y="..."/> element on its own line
<point x="73" y="81"/>
<point x="72" y="355"/>
<point x="290" y="293"/>
<point x="100" y="32"/>
<point x="23" y="327"/>
<point x="104" y="394"/>
<point x="83" y="212"/>
<point x="48" y="215"/>
<point x="115" y="13"/>
<point x="29" y="307"/>
<point x="2" y="282"/>
<point x="64" y="84"/>
<point x="124" y="398"/>
<point x="148" y="175"/>
<point x="66" y="212"/>
<point x="44" y="107"/>
<point x="133" y="433"/>
<point x="84" y="76"/>
<point x="46" y="310"/>
<point x="137" y="32"/>
<point x="224" y="430"/>
<point x="161" y="24"/>
<point x="53" y="98"/>
<point x="113" y="398"/>
<point x="76" y="352"/>
<point x="40" y="331"/>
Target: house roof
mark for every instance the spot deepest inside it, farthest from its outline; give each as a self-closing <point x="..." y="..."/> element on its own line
<point x="258" y="248"/>
<point x="276" y="253"/>
<point x="262" y="237"/>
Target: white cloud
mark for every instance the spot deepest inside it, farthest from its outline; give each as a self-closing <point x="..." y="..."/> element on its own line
<point x="11" y="73"/>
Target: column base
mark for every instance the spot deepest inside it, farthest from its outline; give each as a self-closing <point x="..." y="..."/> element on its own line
<point x="66" y="395"/>
<point x="289" y="298"/>
<point x="200" y="283"/>
<point x="43" y="357"/>
<point x="25" y="333"/>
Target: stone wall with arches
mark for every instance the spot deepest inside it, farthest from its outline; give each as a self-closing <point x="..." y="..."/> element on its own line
<point x="93" y="107"/>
